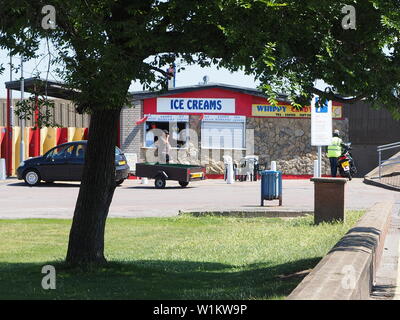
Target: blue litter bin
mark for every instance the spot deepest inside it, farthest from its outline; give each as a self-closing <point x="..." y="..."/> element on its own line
<point x="271" y="186"/>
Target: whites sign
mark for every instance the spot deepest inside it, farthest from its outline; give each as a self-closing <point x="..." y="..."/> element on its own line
<point x="321" y="123"/>
<point x="195" y="105"/>
<point x="223" y="118"/>
<point x="167" y="118"/>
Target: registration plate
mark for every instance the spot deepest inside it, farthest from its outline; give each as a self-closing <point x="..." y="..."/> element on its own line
<point x="197" y="175"/>
<point x="345" y="165"/>
<point x="121" y="163"/>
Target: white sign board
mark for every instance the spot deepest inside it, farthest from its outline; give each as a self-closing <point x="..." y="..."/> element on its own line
<point x="321" y="123"/>
<point x="195" y="105"/>
<point x="224" y="118"/>
<point x="167" y="118"/>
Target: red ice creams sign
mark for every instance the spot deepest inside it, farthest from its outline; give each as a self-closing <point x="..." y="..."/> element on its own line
<point x="195" y="105"/>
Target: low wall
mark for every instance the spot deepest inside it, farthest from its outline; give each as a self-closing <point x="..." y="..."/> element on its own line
<point x="348" y="271"/>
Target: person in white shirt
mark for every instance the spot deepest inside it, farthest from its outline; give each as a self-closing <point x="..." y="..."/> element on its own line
<point x="150" y="136"/>
<point x="164" y="147"/>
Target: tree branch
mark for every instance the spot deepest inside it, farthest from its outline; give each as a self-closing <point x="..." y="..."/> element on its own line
<point x="337" y="98"/>
<point x="165" y="73"/>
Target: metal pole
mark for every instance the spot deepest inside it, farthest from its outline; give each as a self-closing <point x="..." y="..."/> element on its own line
<point x="10" y="125"/>
<point x="11" y="104"/>
<point x="315" y="169"/>
<point x="319" y="161"/>
<point x="174" y="75"/>
<point x="380" y="163"/>
<point x="36" y="140"/>
<point x="22" y="146"/>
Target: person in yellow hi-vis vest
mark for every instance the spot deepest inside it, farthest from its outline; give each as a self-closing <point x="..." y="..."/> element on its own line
<point x="334" y="152"/>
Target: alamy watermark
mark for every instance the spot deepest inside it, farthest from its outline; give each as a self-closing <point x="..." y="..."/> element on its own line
<point x="49" y="20"/>
<point x="49" y="280"/>
<point x="349" y="277"/>
<point x="186" y="146"/>
<point x="349" y="20"/>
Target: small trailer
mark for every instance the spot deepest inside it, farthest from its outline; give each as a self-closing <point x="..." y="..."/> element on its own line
<point x="162" y="172"/>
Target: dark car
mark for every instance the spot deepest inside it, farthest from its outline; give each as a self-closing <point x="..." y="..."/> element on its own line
<point x="65" y="163"/>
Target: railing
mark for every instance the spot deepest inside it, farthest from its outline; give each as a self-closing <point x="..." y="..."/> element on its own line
<point x="394" y="177"/>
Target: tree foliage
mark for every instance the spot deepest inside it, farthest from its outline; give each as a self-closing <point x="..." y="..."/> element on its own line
<point x="104" y="45"/>
<point x="26" y="109"/>
<point x="290" y="44"/>
<point x="287" y="45"/>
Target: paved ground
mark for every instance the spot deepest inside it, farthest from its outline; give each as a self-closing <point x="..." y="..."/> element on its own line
<point x="135" y="200"/>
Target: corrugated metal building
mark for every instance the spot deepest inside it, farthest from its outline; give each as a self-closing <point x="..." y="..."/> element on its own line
<point x="64" y="115"/>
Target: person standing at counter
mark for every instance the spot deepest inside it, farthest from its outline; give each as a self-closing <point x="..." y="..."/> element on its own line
<point x="150" y="136"/>
<point x="164" y="147"/>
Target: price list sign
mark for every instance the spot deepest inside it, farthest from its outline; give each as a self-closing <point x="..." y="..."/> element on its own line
<point x="321" y="123"/>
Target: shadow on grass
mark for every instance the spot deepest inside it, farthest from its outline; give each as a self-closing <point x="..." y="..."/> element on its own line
<point x="154" y="279"/>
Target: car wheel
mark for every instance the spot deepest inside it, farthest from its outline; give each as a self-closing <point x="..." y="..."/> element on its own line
<point x="119" y="182"/>
<point x="183" y="184"/>
<point x="32" y="177"/>
<point x="160" y="183"/>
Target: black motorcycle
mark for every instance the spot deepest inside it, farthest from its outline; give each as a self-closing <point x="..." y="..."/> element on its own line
<point x="346" y="166"/>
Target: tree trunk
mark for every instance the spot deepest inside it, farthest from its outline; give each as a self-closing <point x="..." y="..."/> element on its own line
<point x="86" y="239"/>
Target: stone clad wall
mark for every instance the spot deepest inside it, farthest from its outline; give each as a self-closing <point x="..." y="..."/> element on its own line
<point x="288" y="142"/>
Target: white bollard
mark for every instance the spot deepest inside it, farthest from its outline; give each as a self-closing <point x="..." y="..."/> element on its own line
<point x="273" y="165"/>
<point x="230" y="176"/>
<point x="3" y="169"/>
<point x="316" y="173"/>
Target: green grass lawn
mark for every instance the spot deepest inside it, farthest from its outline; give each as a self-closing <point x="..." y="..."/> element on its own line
<point x="169" y="258"/>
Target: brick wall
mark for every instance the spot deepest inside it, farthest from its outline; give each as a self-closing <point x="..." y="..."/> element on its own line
<point x="130" y="133"/>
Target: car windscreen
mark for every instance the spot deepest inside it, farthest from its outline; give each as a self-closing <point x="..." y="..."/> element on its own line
<point x="60" y="152"/>
<point x="117" y="151"/>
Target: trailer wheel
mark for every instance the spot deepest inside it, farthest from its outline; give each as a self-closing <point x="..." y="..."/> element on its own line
<point x="183" y="184"/>
<point x="160" y="183"/>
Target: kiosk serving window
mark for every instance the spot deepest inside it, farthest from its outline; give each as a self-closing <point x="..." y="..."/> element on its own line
<point x="173" y="123"/>
<point x="223" y="132"/>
